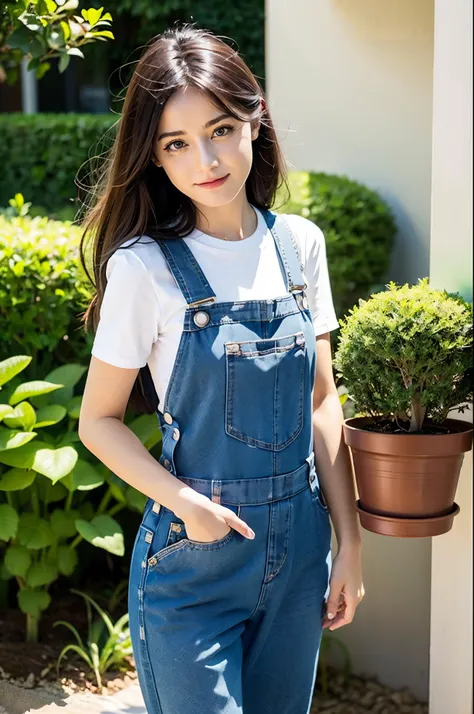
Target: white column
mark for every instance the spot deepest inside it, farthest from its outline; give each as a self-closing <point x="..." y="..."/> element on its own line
<point x="451" y="659"/>
<point x="29" y="89"/>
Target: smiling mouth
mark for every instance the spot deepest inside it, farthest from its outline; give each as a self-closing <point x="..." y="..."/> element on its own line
<point x="215" y="181"/>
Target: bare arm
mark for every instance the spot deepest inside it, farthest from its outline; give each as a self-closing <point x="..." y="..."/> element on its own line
<point x="331" y="452"/>
<point x="336" y="477"/>
<point x="102" y="431"/>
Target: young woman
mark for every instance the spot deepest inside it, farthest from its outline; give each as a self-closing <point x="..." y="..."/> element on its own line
<point x="216" y="311"/>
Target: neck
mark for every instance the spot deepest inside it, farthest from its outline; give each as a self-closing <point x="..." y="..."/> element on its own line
<point x="234" y="221"/>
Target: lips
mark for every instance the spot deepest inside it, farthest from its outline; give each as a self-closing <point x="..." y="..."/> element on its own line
<point x="210" y="183"/>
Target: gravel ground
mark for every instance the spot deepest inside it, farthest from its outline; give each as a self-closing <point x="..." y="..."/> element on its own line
<point x="364" y="696"/>
<point x="356" y="696"/>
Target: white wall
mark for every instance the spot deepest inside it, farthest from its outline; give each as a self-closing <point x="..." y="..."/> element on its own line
<point x="451" y="269"/>
<point x="350" y="90"/>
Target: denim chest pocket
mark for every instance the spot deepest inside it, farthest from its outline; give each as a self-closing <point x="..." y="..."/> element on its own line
<point x="264" y="390"/>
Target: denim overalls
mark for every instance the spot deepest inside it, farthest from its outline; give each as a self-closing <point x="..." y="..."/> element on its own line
<point x="234" y="626"/>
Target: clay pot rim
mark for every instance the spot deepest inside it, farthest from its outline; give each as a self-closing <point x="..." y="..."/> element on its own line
<point x="355" y="424"/>
<point x="415" y="444"/>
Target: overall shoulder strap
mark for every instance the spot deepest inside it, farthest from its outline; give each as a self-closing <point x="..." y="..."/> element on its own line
<point x="287" y="247"/>
<point x="186" y="271"/>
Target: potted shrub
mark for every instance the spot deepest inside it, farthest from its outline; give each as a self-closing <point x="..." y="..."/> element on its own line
<point x="405" y="355"/>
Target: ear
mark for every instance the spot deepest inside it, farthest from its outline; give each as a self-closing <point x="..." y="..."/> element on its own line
<point x="255" y="129"/>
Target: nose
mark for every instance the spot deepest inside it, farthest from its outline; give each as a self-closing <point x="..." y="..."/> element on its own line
<point x="207" y="156"/>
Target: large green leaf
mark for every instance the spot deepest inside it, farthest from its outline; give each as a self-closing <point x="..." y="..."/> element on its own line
<point x="4" y="410"/>
<point x="62" y="523"/>
<point x="117" y="487"/>
<point x="74" y="407"/>
<point x="103" y="532"/>
<point x="70" y="437"/>
<point x="135" y="499"/>
<point x="147" y="429"/>
<point x="67" y="375"/>
<point x="67" y="559"/>
<point x="13" y="439"/>
<point x="16" y="479"/>
<point x="32" y="389"/>
<point x="13" y="366"/>
<point x="17" y="560"/>
<point x="84" y="477"/>
<point x="4" y="572"/>
<point x="23" y="456"/>
<point x="41" y="574"/>
<point x="53" y="463"/>
<point x="48" y="491"/>
<point x="32" y="602"/>
<point x="34" y="532"/>
<point x="49" y="415"/>
<point x="9" y="520"/>
<point x="22" y="417"/>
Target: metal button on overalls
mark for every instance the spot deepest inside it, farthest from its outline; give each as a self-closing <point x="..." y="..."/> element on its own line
<point x="211" y="620"/>
<point x="201" y="318"/>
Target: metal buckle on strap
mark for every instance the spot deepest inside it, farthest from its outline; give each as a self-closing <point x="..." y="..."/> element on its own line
<point x="293" y="288"/>
<point x="201" y="302"/>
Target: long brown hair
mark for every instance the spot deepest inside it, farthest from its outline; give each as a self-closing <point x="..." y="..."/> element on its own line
<point x="133" y="194"/>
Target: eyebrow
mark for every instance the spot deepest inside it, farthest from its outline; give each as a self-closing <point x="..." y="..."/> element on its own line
<point x="209" y="123"/>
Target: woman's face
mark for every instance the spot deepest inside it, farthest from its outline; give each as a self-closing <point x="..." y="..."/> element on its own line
<point x="205" y="145"/>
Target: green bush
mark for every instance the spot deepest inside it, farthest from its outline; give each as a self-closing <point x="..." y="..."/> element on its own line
<point x="358" y="227"/>
<point x="41" y="155"/>
<point x="42" y="291"/>
<point x="406" y="354"/>
<point x="46" y="481"/>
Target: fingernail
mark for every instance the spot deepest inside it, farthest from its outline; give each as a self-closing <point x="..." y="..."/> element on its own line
<point x="330" y="615"/>
<point x="251" y="534"/>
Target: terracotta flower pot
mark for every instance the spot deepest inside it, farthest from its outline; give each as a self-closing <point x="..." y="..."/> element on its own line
<point x="407" y="482"/>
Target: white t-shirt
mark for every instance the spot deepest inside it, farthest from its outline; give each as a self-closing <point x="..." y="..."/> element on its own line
<point x="142" y="311"/>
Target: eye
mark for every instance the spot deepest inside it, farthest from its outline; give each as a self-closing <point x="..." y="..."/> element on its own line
<point x="228" y="128"/>
<point x="172" y="143"/>
<point x="225" y="127"/>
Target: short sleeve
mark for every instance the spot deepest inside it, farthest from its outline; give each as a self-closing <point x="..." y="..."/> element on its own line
<point x="129" y="319"/>
<point x="316" y="272"/>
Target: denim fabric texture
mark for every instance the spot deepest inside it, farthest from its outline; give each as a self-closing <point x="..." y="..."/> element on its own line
<point x="233" y="626"/>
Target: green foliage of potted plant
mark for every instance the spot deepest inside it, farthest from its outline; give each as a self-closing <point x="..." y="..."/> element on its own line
<point x="405" y="355"/>
<point x="46" y="478"/>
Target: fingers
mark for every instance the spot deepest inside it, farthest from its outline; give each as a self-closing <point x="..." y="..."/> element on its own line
<point x="344" y="612"/>
<point x="336" y="596"/>
<point x="344" y="616"/>
<point x="236" y="523"/>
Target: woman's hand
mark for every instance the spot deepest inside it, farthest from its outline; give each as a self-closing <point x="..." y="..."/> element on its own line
<point x="346" y="588"/>
<point x="207" y="521"/>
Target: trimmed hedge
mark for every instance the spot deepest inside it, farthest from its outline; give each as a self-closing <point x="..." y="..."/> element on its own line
<point x="42" y="291"/>
<point x="359" y="230"/>
<point x="41" y="154"/>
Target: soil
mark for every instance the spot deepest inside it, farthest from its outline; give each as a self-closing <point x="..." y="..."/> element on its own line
<point x="387" y="426"/>
<point x="34" y="664"/>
